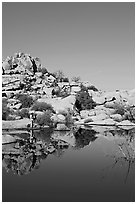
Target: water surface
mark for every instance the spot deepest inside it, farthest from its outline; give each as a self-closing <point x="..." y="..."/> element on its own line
<point x="78" y="166"/>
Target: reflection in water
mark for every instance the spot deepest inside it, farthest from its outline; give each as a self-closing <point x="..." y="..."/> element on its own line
<point x="84" y="137"/>
<point x="24" y="156"/>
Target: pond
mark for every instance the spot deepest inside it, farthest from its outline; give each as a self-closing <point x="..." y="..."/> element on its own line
<point x="84" y="165"/>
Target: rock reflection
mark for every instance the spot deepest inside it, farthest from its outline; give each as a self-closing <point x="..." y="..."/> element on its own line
<point x="24" y="155"/>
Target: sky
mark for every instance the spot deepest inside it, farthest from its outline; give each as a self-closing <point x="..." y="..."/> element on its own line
<point x="93" y="40"/>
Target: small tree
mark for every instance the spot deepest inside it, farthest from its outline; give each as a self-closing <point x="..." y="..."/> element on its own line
<point x="5" y="109"/>
<point x="44" y="70"/>
<point x="42" y="106"/>
<point x="65" y="79"/>
<point x="24" y="113"/>
<point x="84" y="101"/>
<point x="59" y="75"/>
<point x="76" y="79"/>
<point x="44" y="119"/>
<point x="92" y="88"/>
<point x="25" y="99"/>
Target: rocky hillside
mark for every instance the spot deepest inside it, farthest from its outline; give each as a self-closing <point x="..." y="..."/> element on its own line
<point x="28" y="86"/>
<point x="23" y="73"/>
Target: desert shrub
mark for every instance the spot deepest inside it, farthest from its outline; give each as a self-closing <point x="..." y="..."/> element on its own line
<point x="92" y="88"/>
<point x="64" y="93"/>
<point x="76" y="79"/>
<point x="44" y="70"/>
<point x="25" y="99"/>
<point x="5" y="109"/>
<point x="11" y="117"/>
<point x="65" y="79"/>
<point x="59" y="75"/>
<point x="83" y="88"/>
<point x="24" y="113"/>
<point x="128" y="112"/>
<point x="42" y="106"/>
<point x="44" y="119"/>
<point x="84" y="101"/>
<point x="119" y="108"/>
<point x="69" y="121"/>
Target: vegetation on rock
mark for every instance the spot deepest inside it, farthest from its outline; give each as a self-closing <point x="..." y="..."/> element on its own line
<point x="92" y="88"/>
<point x="76" y="79"/>
<point x="25" y="99"/>
<point x="44" y="119"/>
<point x="42" y="106"/>
<point x="5" y="109"/>
<point x="24" y="113"/>
<point x="84" y="101"/>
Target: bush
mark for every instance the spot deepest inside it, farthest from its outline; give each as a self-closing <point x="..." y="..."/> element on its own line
<point x="92" y="88"/>
<point x="42" y="106"/>
<point x="59" y="75"/>
<point x="44" y="70"/>
<point x="25" y="99"/>
<point x="128" y="112"/>
<point x="24" y="113"/>
<point x="44" y="119"/>
<point x="84" y="101"/>
<point x="5" y="109"/>
<point x="65" y="79"/>
<point x="69" y="120"/>
<point x="76" y="79"/>
<point x="119" y="108"/>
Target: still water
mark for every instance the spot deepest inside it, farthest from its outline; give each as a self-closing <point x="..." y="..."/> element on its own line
<point x="95" y="165"/>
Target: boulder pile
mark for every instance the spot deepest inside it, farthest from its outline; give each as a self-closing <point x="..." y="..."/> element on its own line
<point x="23" y="73"/>
<point x="25" y="81"/>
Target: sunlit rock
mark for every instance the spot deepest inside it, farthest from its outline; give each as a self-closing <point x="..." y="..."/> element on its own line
<point x="116" y="117"/>
<point x="23" y="123"/>
<point x="17" y="106"/>
<point x="99" y="117"/>
<point x="61" y="127"/>
<point x="8" y="139"/>
<point x="126" y="124"/>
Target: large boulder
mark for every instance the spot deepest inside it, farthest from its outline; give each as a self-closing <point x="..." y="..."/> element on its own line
<point x="8" y="139"/>
<point x="61" y="118"/>
<point x="87" y="120"/>
<point x="61" y="127"/>
<point x="59" y="104"/>
<point x="15" y="124"/>
<point x="75" y="89"/>
<point x="116" y="117"/>
<point x="85" y="113"/>
<point x="126" y="123"/>
<point x="58" y="118"/>
<point x="105" y="122"/>
<point x="101" y="109"/>
<point x="100" y="117"/>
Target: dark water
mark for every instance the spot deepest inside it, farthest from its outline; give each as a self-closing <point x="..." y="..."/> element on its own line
<point x="79" y="166"/>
